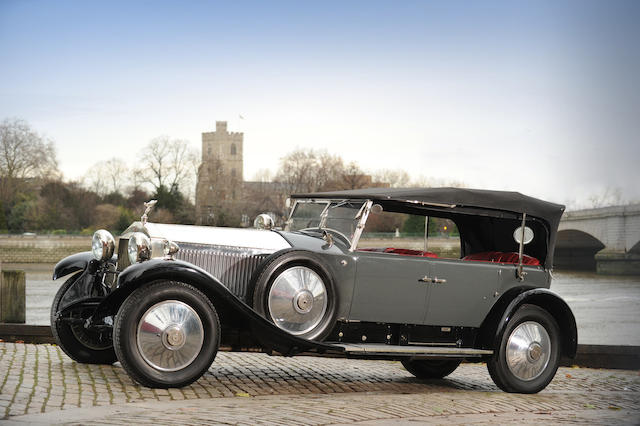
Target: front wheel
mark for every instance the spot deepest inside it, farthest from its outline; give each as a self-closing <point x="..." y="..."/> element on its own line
<point x="529" y="352"/>
<point x="166" y="334"/>
<point x="80" y="344"/>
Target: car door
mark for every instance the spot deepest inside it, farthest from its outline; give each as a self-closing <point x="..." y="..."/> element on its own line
<point x="461" y="292"/>
<point x="387" y="288"/>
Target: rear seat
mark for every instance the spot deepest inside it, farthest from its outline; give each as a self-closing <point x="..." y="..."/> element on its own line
<point x="401" y="251"/>
<point x="501" y="257"/>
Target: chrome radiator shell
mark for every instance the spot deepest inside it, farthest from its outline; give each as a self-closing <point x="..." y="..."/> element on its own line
<point x="233" y="266"/>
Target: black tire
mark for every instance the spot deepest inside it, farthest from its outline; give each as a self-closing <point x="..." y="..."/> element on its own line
<point x="277" y="266"/>
<point x="431" y="368"/>
<point x="498" y="367"/>
<point x="126" y="331"/>
<point x="81" y="345"/>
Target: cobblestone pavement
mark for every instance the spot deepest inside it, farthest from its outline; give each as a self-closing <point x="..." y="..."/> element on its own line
<point x="39" y="384"/>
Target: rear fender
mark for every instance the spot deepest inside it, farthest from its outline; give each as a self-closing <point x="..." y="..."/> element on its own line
<point x="265" y="332"/>
<point x="492" y="330"/>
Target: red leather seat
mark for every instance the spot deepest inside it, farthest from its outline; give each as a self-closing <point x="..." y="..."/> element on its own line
<point x="485" y="256"/>
<point x="501" y="257"/>
<point x="409" y="252"/>
<point x="401" y="251"/>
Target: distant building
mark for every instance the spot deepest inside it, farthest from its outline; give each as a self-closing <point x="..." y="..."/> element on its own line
<point x="222" y="195"/>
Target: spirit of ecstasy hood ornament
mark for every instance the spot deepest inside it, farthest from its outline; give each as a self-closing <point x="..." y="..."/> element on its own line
<point x="149" y="205"/>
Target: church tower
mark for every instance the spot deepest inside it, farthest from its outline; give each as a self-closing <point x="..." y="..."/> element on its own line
<point x="221" y="173"/>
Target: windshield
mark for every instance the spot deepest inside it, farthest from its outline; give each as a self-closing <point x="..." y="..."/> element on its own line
<point x="338" y="216"/>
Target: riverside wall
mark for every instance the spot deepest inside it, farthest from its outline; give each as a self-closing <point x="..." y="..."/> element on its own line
<point x="41" y="248"/>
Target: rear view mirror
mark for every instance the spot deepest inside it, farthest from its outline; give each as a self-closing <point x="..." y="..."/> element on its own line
<point x="376" y="209"/>
<point x="528" y="235"/>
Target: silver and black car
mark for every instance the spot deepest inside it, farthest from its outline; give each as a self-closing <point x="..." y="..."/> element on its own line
<point x="164" y="298"/>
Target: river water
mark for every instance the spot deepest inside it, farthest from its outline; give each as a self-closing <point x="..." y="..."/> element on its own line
<point x="607" y="308"/>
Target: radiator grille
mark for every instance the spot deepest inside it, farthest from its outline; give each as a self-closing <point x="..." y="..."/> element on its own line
<point x="233" y="266"/>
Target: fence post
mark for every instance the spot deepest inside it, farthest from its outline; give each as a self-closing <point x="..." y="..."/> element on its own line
<point x="12" y="297"/>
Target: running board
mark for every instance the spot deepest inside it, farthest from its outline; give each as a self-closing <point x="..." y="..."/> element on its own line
<point x="406" y="350"/>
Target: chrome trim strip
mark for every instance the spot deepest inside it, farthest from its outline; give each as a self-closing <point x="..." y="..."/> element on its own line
<point x="381" y="348"/>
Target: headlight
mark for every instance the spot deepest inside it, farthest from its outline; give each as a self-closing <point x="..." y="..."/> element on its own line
<point x="263" y="221"/>
<point x="170" y="248"/>
<point x="139" y="248"/>
<point x="102" y="245"/>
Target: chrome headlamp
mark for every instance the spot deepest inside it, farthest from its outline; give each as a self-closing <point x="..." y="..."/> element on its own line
<point x="139" y="248"/>
<point x="263" y="221"/>
<point x="102" y="245"/>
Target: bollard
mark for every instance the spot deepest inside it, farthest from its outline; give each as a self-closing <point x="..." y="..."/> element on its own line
<point x="12" y="297"/>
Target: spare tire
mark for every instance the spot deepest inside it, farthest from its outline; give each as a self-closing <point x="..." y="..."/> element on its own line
<point x="296" y="291"/>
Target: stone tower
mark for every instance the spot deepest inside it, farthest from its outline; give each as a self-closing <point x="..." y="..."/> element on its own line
<point x="225" y="148"/>
<point x="221" y="173"/>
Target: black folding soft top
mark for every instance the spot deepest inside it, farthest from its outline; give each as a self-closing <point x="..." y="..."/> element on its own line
<point x="461" y="199"/>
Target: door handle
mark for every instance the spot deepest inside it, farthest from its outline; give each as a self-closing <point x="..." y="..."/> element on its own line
<point x="434" y="280"/>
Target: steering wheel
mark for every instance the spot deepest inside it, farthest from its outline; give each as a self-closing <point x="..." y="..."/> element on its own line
<point x="333" y="231"/>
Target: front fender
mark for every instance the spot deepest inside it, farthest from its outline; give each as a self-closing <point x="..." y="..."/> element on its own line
<point x="73" y="263"/>
<point x="555" y="305"/>
<point x="265" y="332"/>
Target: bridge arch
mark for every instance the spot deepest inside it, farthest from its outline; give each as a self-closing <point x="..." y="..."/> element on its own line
<point x="576" y="249"/>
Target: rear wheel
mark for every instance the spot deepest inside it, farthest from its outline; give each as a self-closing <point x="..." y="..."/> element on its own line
<point x="80" y="344"/>
<point x="431" y="369"/>
<point x="166" y="334"/>
<point x="529" y="352"/>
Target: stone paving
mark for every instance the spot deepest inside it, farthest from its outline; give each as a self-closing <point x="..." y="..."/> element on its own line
<point x="250" y="388"/>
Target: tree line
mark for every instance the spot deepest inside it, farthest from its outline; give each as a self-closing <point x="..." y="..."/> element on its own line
<point x="34" y="197"/>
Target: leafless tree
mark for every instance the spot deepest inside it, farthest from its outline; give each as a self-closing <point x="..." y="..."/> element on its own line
<point x="354" y="178"/>
<point x="107" y="176"/>
<point x="395" y="178"/>
<point x="308" y="170"/>
<point x="263" y="175"/>
<point x="609" y="197"/>
<point x="169" y="163"/>
<point x="24" y="155"/>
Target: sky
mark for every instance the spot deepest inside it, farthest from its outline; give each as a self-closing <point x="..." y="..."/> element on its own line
<point x="539" y="97"/>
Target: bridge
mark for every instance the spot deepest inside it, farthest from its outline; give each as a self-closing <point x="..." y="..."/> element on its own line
<point x="605" y="239"/>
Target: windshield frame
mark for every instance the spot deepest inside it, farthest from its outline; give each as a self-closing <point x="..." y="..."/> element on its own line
<point x="361" y="216"/>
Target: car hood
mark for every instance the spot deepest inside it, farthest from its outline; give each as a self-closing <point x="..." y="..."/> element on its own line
<point x="234" y="237"/>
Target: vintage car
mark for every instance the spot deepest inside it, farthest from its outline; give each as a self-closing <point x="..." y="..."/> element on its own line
<point x="170" y="296"/>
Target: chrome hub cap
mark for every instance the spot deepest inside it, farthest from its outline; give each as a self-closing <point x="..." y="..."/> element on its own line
<point x="528" y="350"/>
<point x="303" y="301"/>
<point x="173" y="338"/>
<point x="297" y="300"/>
<point x="170" y="335"/>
